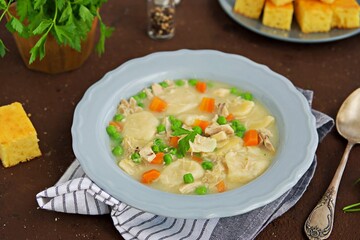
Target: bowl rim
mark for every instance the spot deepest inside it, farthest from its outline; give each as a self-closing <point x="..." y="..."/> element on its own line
<point x="87" y="145"/>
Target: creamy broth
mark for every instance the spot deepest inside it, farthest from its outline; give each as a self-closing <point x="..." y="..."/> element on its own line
<point x="193" y="137"/>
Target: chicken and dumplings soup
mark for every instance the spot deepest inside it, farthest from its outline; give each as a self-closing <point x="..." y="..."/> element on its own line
<point x="193" y="136"/>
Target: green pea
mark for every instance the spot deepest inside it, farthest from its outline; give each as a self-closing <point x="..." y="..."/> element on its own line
<point x="176" y="123"/>
<point x="201" y="190"/>
<point x="192" y="82"/>
<point x="188" y="178"/>
<point x="240" y="133"/>
<point x="247" y="96"/>
<point x="142" y="95"/>
<point x="164" y="84"/>
<point x="118" y="117"/>
<point x="234" y="91"/>
<point x="117" y="137"/>
<point x="160" y="128"/>
<point x="167" y="159"/>
<point x="179" y="83"/>
<point x="137" y="98"/>
<point x="155" y="148"/>
<point x="111" y="130"/>
<point x="158" y="142"/>
<point x="221" y="120"/>
<point x="135" y="157"/>
<point x="197" y="129"/>
<point x="140" y="104"/>
<point x="117" y="151"/>
<point x="207" y="165"/>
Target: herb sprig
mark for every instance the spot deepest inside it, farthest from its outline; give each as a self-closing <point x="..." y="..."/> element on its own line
<point x="69" y="21"/>
<point x="178" y="130"/>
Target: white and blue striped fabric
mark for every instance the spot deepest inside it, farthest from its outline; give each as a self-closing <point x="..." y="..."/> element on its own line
<point x="76" y="193"/>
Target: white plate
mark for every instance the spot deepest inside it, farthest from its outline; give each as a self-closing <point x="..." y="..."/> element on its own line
<point x="294" y="35"/>
<point x="296" y="124"/>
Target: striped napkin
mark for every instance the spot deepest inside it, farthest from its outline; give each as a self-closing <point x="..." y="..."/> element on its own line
<point x="76" y="193"/>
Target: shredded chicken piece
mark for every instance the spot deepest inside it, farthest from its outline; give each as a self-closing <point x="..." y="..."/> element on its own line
<point x="149" y="94"/>
<point x="222" y="92"/>
<point x="222" y="109"/>
<point x="202" y="144"/>
<point x="147" y="154"/>
<point x="216" y="128"/>
<point x="169" y="82"/>
<point x="126" y="108"/>
<point x="220" y="136"/>
<point x="264" y="135"/>
<point x="157" y="89"/>
<point x="188" y="188"/>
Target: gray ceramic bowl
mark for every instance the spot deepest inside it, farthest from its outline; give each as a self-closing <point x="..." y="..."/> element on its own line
<point x="296" y="124"/>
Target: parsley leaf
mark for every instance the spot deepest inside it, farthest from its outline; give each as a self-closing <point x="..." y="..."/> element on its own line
<point x="180" y="131"/>
<point x="43" y="26"/>
<point x="23" y="8"/>
<point x="2" y="49"/>
<point x="86" y="15"/>
<point x="184" y="143"/>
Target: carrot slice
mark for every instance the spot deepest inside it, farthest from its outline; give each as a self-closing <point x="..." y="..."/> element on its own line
<point x="251" y="138"/>
<point x="197" y="159"/>
<point x="230" y="117"/>
<point x="201" y="86"/>
<point x="201" y="123"/>
<point x="173" y="141"/>
<point x="221" y="187"/>
<point x="159" y="158"/>
<point x="157" y="104"/>
<point x="207" y="105"/>
<point x="150" y="176"/>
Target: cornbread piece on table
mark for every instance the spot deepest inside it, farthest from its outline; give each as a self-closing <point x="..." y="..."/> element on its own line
<point x="281" y="2"/>
<point x="278" y="16"/>
<point x="313" y="15"/>
<point x="18" y="138"/>
<point x="328" y="1"/>
<point x="345" y="14"/>
<point x="249" y="8"/>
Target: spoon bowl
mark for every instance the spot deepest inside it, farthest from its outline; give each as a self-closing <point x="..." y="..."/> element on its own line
<point x="320" y="222"/>
<point x="348" y="118"/>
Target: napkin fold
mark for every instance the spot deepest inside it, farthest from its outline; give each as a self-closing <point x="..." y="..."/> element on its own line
<point x="76" y="193"/>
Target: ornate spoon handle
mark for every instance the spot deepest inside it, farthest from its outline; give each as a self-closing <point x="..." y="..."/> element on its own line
<point x="319" y="224"/>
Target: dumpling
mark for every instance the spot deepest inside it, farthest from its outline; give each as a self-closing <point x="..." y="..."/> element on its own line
<point x="140" y="126"/>
<point x="261" y="123"/>
<point x="180" y="100"/>
<point x="173" y="174"/>
<point x="242" y="169"/>
<point x="240" y="107"/>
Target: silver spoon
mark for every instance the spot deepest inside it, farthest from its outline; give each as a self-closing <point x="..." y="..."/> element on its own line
<point x="319" y="224"/>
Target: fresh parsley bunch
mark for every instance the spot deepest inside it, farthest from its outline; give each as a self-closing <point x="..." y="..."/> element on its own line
<point x="69" y="21"/>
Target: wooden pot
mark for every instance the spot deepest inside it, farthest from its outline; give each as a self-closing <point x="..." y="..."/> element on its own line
<point x="58" y="58"/>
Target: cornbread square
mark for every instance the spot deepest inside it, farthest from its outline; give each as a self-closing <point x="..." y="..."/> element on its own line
<point x="18" y="138"/>
<point x="278" y="16"/>
<point x="313" y="16"/>
<point x="281" y="2"/>
<point x="249" y="8"/>
<point x="345" y="14"/>
<point x="328" y="1"/>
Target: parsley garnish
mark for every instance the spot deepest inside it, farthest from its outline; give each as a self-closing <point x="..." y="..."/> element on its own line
<point x="68" y="21"/>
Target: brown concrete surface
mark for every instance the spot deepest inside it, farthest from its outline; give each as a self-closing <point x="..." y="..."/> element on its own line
<point x="332" y="70"/>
